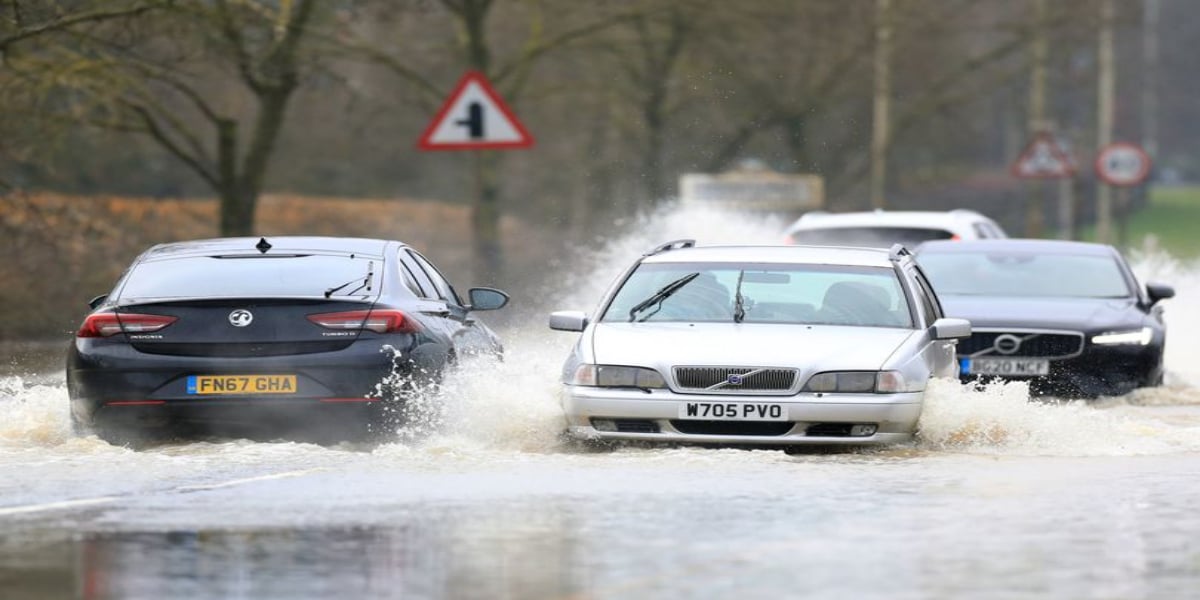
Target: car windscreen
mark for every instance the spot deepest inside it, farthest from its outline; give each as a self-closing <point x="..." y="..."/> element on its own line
<point x="771" y="293"/>
<point x="254" y="277"/>
<point x="871" y="237"/>
<point x="1025" y="274"/>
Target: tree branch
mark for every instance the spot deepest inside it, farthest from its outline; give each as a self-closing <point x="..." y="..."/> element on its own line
<point x="233" y="35"/>
<point x="155" y="131"/>
<point x="68" y="22"/>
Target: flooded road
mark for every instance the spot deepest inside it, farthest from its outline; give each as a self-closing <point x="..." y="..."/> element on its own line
<point x="999" y="497"/>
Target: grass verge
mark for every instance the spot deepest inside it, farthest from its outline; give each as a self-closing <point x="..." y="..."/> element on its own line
<point x="1173" y="217"/>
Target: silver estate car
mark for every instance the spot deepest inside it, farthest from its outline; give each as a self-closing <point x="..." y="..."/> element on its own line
<point x="759" y="345"/>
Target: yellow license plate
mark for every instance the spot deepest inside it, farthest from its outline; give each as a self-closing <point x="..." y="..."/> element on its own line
<point x="241" y="384"/>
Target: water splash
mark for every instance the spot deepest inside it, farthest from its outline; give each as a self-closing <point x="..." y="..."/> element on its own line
<point x="34" y="414"/>
<point x="1000" y="418"/>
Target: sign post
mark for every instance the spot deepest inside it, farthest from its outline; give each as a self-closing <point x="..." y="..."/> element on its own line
<point x="1122" y="165"/>
<point x="1044" y="158"/>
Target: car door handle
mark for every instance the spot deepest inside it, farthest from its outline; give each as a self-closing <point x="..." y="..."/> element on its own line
<point x="437" y="313"/>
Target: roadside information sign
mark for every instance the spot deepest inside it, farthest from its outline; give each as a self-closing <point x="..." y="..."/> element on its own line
<point x="474" y="117"/>
<point x="1123" y="164"/>
<point x="1043" y="158"/>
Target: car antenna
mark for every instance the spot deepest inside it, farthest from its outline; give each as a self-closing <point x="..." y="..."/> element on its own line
<point x="263" y="245"/>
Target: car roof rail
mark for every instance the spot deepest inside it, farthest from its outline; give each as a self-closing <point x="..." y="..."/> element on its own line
<point x="897" y="252"/>
<point x="672" y="245"/>
<point x="966" y="212"/>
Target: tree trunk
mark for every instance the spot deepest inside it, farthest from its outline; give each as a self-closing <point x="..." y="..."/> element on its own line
<point x="652" y="160"/>
<point x="237" y="211"/>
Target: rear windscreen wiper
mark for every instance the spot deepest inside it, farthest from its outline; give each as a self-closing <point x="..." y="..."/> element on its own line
<point x="662" y="294"/>
<point x="366" y="282"/>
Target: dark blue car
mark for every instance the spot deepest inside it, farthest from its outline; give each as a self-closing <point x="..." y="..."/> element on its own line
<point x="309" y="333"/>
<point x="1068" y="317"/>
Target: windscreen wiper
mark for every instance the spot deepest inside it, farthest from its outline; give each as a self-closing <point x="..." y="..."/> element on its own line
<point x="662" y="294"/>
<point x="739" y="306"/>
<point x="366" y="282"/>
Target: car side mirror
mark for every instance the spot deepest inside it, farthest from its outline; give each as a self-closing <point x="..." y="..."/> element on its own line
<point x="568" y="320"/>
<point x="951" y="329"/>
<point x="486" y="299"/>
<point x="97" y="301"/>
<point x="1159" y="291"/>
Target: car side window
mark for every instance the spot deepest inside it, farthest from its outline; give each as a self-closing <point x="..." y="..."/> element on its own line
<point x="982" y="230"/>
<point x="923" y="297"/>
<point x="923" y="282"/>
<point x="444" y="289"/>
<point x="410" y="280"/>
<point x="410" y="268"/>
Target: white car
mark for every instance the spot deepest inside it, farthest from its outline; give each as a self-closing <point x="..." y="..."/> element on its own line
<point x="759" y="345"/>
<point x="882" y="228"/>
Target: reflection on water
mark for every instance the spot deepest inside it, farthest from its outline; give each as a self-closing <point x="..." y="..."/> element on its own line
<point x="862" y="527"/>
<point x="472" y="555"/>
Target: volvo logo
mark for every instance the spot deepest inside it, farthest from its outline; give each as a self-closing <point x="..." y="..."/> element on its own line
<point x="1007" y="344"/>
<point x="240" y="317"/>
<point x="734" y="380"/>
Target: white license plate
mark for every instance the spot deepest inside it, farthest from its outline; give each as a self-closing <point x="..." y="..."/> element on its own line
<point x="733" y="411"/>
<point x="1006" y="366"/>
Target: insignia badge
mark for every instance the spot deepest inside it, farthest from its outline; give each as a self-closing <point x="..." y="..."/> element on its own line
<point x="240" y="317"/>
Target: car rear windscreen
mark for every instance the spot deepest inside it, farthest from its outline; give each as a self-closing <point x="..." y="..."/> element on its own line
<point x="1023" y="274"/>
<point x="871" y="237"/>
<point x="254" y="277"/>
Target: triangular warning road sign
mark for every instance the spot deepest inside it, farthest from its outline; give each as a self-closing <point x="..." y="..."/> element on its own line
<point x="1043" y="158"/>
<point x="474" y="117"/>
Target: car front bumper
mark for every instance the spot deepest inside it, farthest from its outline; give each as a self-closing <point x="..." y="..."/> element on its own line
<point x="1097" y="371"/>
<point x="811" y="419"/>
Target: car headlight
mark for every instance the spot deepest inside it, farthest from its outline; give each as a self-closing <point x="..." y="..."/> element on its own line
<point x="618" y="376"/>
<point x="1140" y="337"/>
<point x="859" y="382"/>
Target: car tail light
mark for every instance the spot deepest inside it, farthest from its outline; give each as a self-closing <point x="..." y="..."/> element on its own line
<point x="379" y="321"/>
<point x="109" y="324"/>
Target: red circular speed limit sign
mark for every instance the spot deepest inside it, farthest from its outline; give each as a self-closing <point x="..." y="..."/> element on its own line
<point x="1123" y="164"/>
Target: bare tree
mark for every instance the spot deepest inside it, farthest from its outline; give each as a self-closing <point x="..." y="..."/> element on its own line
<point x="153" y="77"/>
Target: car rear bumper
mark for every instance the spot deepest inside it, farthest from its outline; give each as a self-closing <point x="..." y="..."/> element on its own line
<point x="273" y="412"/>
<point x="120" y="383"/>
<point x="810" y="419"/>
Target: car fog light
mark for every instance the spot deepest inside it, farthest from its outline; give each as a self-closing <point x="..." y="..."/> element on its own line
<point x="604" y="424"/>
<point x="863" y="430"/>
